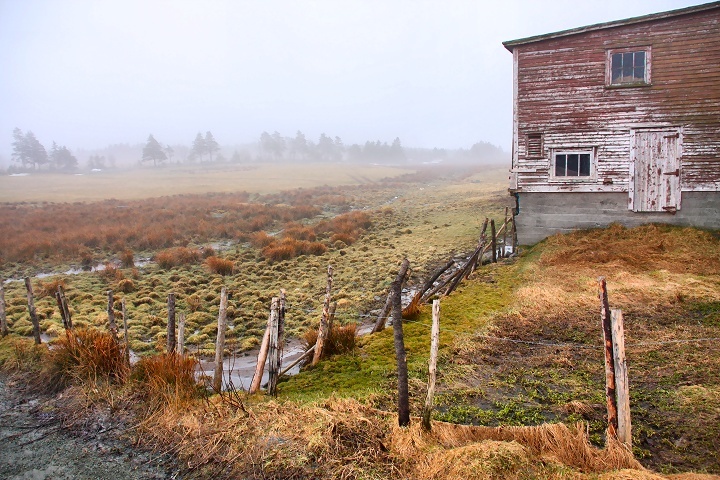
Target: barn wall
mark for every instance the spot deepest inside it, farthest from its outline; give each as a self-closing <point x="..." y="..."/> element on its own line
<point x="544" y="214"/>
<point x="561" y="93"/>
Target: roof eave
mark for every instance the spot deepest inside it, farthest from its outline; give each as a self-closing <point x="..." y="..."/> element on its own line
<point x="511" y="44"/>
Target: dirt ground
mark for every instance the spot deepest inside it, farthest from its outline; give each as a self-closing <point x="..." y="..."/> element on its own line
<point x="37" y="443"/>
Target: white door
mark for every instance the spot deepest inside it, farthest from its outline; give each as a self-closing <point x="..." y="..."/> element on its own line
<point x="655" y="170"/>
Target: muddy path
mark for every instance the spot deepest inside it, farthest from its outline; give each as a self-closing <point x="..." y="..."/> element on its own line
<point x="37" y="441"/>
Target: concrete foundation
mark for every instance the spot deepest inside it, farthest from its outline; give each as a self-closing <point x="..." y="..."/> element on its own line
<point x="544" y="214"/>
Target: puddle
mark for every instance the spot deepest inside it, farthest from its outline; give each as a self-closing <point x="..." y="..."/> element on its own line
<point x="239" y="370"/>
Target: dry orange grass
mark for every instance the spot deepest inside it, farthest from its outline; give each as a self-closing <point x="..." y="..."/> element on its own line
<point x="646" y="265"/>
<point x="341" y="438"/>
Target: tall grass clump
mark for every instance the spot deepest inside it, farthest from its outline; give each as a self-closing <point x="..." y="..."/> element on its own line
<point x="341" y="339"/>
<point x="167" y="379"/>
<point x="220" y="265"/>
<point x="85" y="355"/>
<point x="176" y="256"/>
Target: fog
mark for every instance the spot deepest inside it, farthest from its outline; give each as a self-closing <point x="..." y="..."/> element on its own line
<point x="87" y="74"/>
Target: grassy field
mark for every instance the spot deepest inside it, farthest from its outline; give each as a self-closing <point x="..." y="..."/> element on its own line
<point x="148" y="182"/>
<point x="521" y="359"/>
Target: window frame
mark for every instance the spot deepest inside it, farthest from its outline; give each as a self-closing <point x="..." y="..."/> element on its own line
<point x="592" y="151"/>
<point x="648" y="66"/>
<point x="532" y="153"/>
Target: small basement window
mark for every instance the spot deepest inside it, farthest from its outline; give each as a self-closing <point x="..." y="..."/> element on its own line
<point x="573" y="165"/>
<point x="628" y="67"/>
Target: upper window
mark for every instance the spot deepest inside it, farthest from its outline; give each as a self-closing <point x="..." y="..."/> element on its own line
<point x="572" y="165"/>
<point x="628" y="67"/>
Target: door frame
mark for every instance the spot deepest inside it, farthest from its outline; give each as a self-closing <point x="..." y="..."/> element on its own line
<point x="668" y="131"/>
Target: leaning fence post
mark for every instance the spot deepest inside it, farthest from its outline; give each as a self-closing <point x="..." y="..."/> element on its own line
<point x="624" y="432"/>
<point x="382" y="318"/>
<point x="32" y="312"/>
<point x="181" y="334"/>
<point x="3" y="319"/>
<point x="323" y="331"/>
<point x="220" y="342"/>
<point x="609" y="363"/>
<point x="65" y="307"/>
<point x="399" y="342"/>
<point x="276" y="360"/>
<point x="125" y="331"/>
<point x="59" y="300"/>
<point x="273" y="369"/>
<point x="493" y="241"/>
<point x="432" y="365"/>
<point x="170" y="347"/>
<point x="112" y="326"/>
<point x="262" y="356"/>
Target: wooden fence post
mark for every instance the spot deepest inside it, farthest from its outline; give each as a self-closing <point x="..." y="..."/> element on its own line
<point x="112" y="326"/>
<point x="432" y="365"/>
<point x="504" y="242"/>
<point x="262" y="356"/>
<point x="382" y="318"/>
<point x="3" y="318"/>
<point x="220" y="342"/>
<point x="323" y="329"/>
<point x="59" y="300"/>
<point x="493" y="241"/>
<point x="276" y="360"/>
<point x="514" y="234"/>
<point x="273" y="369"/>
<point x="32" y="312"/>
<point x="170" y="347"/>
<point x="181" y="334"/>
<point x="609" y="363"/>
<point x="624" y="431"/>
<point x="65" y="308"/>
<point x="399" y="342"/>
<point x="125" y="331"/>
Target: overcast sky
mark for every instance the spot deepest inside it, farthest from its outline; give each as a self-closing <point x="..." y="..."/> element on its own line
<point x="91" y="73"/>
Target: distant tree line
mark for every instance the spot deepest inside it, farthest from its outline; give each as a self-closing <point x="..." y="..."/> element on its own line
<point x="29" y="153"/>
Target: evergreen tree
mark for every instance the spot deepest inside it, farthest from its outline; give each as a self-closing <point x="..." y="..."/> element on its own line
<point x="198" y="148"/>
<point x="211" y="146"/>
<point x="153" y="151"/>
<point x="28" y="150"/>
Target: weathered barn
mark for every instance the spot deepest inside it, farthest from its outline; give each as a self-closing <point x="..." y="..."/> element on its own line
<point x="618" y="122"/>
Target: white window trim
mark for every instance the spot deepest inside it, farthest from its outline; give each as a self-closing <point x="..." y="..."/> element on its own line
<point x="648" y="66"/>
<point x="592" y="178"/>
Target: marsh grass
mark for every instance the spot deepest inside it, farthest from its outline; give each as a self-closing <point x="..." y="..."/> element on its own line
<point x="84" y="356"/>
<point x="167" y="379"/>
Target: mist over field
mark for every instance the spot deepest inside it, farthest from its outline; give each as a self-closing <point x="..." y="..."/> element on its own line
<point x="93" y="80"/>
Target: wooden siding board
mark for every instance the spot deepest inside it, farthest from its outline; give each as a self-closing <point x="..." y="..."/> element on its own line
<point x="560" y="91"/>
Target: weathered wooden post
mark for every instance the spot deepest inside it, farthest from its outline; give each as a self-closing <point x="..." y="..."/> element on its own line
<point x="170" y="347"/>
<point x="125" y="331"/>
<point x="624" y="431"/>
<point x="382" y="318"/>
<point x="58" y="298"/>
<point x="276" y="359"/>
<point x="493" y="241"/>
<point x="514" y="234"/>
<point x="112" y="326"/>
<point x="610" y="386"/>
<point x="399" y="342"/>
<point x="323" y="329"/>
<point x="262" y="355"/>
<point x="65" y="307"/>
<point x="432" y="365"/>
<point x="181" y="334"/>
<point x="273" y="369"/>
<point x="3" y="318"/>
<point x="32" y="312"/>
<point x="505" y="232"/>
<point x="220" y="342"/>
